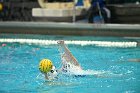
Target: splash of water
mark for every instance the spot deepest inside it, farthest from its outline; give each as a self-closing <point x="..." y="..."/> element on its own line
<point x="69" y="66"/>
<point x="73" y="70"/>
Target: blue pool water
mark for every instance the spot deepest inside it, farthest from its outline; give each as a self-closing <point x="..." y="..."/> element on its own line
<point x="114" y="72"/>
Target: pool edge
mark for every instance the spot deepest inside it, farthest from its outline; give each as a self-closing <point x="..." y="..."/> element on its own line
<point x="80" y="29"/>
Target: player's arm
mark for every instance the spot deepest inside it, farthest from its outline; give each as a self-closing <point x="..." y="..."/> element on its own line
<point x="68" y="53"/>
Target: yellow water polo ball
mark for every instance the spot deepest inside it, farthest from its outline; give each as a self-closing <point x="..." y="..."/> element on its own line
<point x="1" y="7"/>
<point x="45" y="65"/>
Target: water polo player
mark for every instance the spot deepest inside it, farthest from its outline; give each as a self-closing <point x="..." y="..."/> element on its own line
<point x="70" y="64"/>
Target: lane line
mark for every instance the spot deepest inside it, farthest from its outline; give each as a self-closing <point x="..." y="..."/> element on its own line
<point x="76" y="42"/>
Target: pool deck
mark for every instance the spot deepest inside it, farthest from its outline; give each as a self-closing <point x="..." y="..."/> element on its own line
<point x="81" y="29"/>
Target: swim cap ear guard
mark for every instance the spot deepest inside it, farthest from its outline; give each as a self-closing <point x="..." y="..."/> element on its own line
<point x="45" y="65"/>
<point x="53" y="73"/>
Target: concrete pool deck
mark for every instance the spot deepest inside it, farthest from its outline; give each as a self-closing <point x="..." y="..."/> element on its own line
<point x="81" y="29"/>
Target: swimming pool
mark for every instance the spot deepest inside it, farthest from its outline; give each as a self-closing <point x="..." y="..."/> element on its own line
<point x="117" y="73"/>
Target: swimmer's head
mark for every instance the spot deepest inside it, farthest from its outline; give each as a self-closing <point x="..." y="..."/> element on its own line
<point x="45" y="65"/>
<point x="53" y="73"/>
